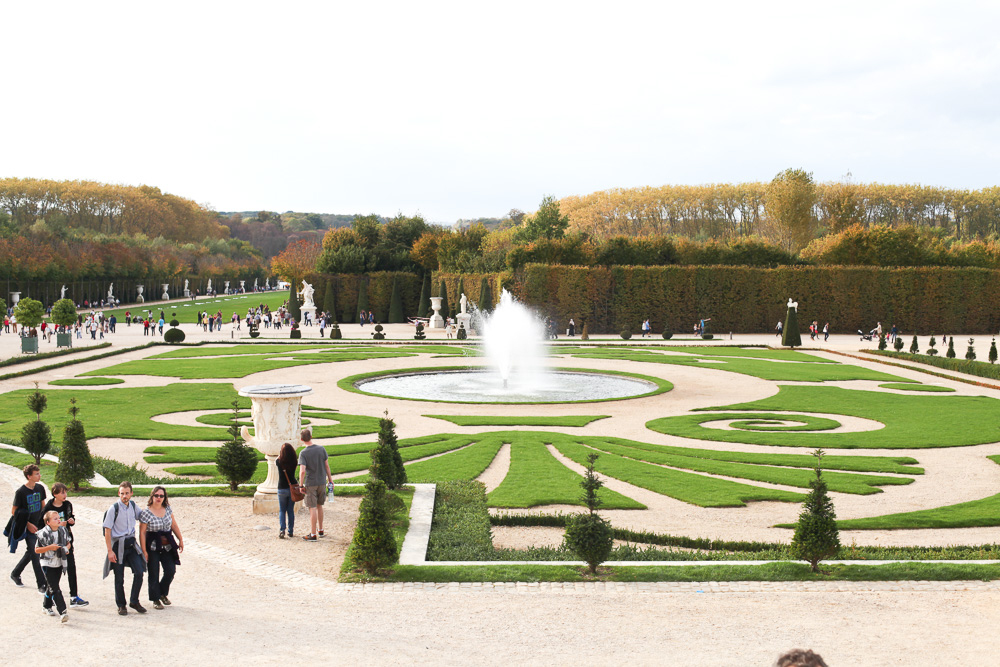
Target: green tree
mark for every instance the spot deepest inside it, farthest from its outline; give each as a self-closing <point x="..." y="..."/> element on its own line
<point x="236" y="460"/>
<point x="993" y="351"/>
<point x="29" y="313"/>
<point x="914" y="349"/>
<point x="424" y="305"/>
<point x="791" y="197"/>
<point x="64" y="312"/>
<point x="36" y="437"/>
<point x="443" y="293"/>
<point x="294" y="307"/>
<point x="589" y="535"/>
<point x="374" y="547"/>
<point x="931" y="345"/>
<point x="816" y="534"/>
<point x="790" y="336"/>
<point x="396" y="305"/>
<point x="75" y="463"/>
<point x="330" y="300"/>
<point x="898" y="344"/>
<point x="881" y="341"/>
<point x="485" y="304"/>
<point x="390" y="464"/>
<point x="547" y="223"/>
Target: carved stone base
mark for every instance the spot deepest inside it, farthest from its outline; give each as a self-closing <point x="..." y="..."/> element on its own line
<point x="265" y="503"/>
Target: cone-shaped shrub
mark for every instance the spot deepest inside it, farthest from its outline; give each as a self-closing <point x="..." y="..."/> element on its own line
<point x="951" y="348"/>
<point x="75" y="463"/>
<point x="881" y="341"/>
<point x="330" y="300"/>
<point x="387" y="464"/>
<point x="585" y="334"/>
<point x="236" y="461"/>
<point x="445" y="308"/>
<point x="898" y="344"/>
<point x="419" y="334"/>
<point x="396" y="305"/>
<point x="790" y="336"/>
<point x="294" y="308"/>
<point x="35" y="435"/>
<point x="816" y="534"/>
<point x="914" y="349"/>
<point x="362" y="295"/>
<point x="335" y="333"/>
<point x="485" y="304"/>
<point x="970" y="353"/>
<point x="374" y="546"/>
<point x="993" y="351"/>
<point x="424" y="305"/>
<point x="589" y="535"/>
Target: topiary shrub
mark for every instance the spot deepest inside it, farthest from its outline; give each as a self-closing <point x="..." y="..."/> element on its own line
<point x="881" y="341"/>
<point x="75" y="463"/>
<point x="29" y="313"/>
<point x="970" y="353"/>
<point x="589" y="535"/>
<point x="898" y="344"/>
<point x="236" y="460"/>
<point x="63" y="313"/>
<point x="396" y="304"/>
<point x="175" y="322"/>
<point x="378" y="335"/>
<point x="790" y="336"/>
<point x="585" y="334"/>
<point x="667" y="334"/>
<point x="374" y="546"/>
<point x="626" y="334"/>
<point x="254" y="332"/>
<point x="295" y="332"/>
<point x="173" y="336"/>
<point x="993" y="351"/>
<point x="335" y="333"/>
<point x="387" y="464"/>
<point x="951" y="348"/>
<point x="419" y="334"/>
<point x="930" y="346"/>
<point x="35" y="435"/>
<point x="816" y="534"/>
<point x="707" y="336"/>
<point x="914" y="349"/>
<point x="461" y="334"/>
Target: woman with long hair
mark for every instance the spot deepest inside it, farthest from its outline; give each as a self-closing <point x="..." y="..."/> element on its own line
<point x="287" y="463"/>
<point x="157" y="528"/>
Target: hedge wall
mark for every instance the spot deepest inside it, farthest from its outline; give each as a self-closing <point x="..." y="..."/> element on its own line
<point x="923" y="300"/>
<point x="379" y="292"/>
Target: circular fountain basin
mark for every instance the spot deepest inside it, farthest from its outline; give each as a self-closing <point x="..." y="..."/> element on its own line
<point x="486" y="386"/>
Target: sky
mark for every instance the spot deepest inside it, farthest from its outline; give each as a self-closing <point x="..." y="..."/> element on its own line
<point x="461" y="109"/>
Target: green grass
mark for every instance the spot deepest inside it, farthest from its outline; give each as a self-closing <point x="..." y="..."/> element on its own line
<point x="781" y="571"/>
<point x="537" y="478"/>
<point x="186" y="308"/>
<point x="467" y="463"/>
<point x="127" y="412"/>
<point x="903" y="386"/>
<point x="910" y="421"/>
<point x="756" y="363"/>
<point x="350" y="383"/>
<point x="572" y="420"/>
<point x="85" y="382"/>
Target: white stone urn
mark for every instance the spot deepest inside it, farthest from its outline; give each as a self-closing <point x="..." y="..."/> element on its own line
<point x="436" y="321"/>
<point x="166" y="291"/>
<point x="14" y="298"/>
<point x="276" y="411"/>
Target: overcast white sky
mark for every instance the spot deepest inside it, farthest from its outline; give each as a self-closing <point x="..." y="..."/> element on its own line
<point x="467" y="109"/>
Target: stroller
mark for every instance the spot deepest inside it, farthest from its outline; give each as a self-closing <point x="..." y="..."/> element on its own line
<point x="867" y="336"/>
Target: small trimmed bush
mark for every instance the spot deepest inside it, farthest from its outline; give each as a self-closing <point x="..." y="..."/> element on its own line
<point x="254" y="332"/>
<point x="931" y="345"/>
<point x="914" y="349"/>
<point x="419" y="334"/>
<point x="335" y="333"/>
<point x="881" y="341"/>
<point x="707" y="336"/>
<point x="626" y="334"/>
<point x="295" y="333"/>
<point x="993" y="351"/>
<point x="951" y="348"/>
<point x="378" y="335"/>
<point x="589" y="535"/>
<point x="585" y="334"/>
<point x="461" y="334"/>
<point x="75" y="462"/>
<point x="667" y="334"/>
<point x="898" y="344"/>
<point x="816" y="534"/>
<point x="236" y="460"/>
<point x="173" y="336"/>
<point x="970" y="353"/>
<point x="374" y="547"/>
<point x="35" y="435"/>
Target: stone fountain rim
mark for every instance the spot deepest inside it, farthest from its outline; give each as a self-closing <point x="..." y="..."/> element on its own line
<point x="275" y="391"/>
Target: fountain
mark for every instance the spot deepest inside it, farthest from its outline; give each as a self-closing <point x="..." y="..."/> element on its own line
<point x="517" y="371"/>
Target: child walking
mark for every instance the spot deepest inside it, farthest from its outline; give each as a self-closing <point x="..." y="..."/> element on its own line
<point x="53" y="546"/>
<point x="67" y="519"/>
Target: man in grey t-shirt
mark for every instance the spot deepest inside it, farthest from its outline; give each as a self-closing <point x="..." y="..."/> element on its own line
<point x="314" y="473"/>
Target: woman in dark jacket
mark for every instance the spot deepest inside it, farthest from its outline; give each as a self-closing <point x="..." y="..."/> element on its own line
<point x="287" y="463"/>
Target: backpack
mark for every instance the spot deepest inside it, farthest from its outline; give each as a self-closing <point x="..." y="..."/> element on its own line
<point x="131" y="504"/>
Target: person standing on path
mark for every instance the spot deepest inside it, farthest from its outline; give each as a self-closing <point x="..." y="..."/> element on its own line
<point x="778" y="328"/>
<point x="314" y="465"/>
<point x="286" y="463"/>
<point x="123" y="550"/>
<point x="826" y="332"/>
<point x="645" y="327"/>
<point x="572" y="328"/>
<point x="64" y="508"/>
<point x="25" y="522"/>
<point x="53" y="547"/>
<point x="157" y="527"/>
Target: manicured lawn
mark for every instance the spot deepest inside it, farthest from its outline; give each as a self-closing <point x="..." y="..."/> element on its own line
<point x="910" y="421"/>
<point x="86" y="382"/>
<point x="906" y="386"/>
<point x="574" y="420"/>
<point x="186" y="308"/>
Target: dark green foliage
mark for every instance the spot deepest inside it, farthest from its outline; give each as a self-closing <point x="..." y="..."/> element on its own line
<point x="236" y="461"/>
<point x="63" y="312"/>
<point x="461" y="334"/>
<point x="387" y="464"/>
<point x="294" y="307"/>
<point x="626" y="333"/>
<point x="667" y="333"/>
<point x="993" y="351"/>
<point x="254" y="331"/>
<point x="881" y="341"/>
<point x="970" y="353"/>
<point x="461" y="526"/>
<point x="335" y="333"/>
<point x="585" y="334"/>
<point x="951" y="348"/>
<point x="396" y="305"/>
<point x="707" y="336"/>
<point x="931" y="345"/>
<point x="173" y="336"/>
<point x="295" y="333"/>
<point x="362" y="295"/>
<point x="29" y="312"/>
<point x="175" y="322"/>
<point x="898" y="344"/>
<point x="424" y="304"/>
<point x="35" y="435"/>
<point x="816" y="534"/>
<point x="485" y="303"/>
<point x="914" y="348"/>
<point x="790" y="336"/>
<point x="443" y="293"/>
<point x="589" y="535"/>
<point x="374" y="546"/>
<point x="75" y="463"/>
<point x="330" y="300"/>
<point x="419" y="334"/>
<point x="378" y="335"/>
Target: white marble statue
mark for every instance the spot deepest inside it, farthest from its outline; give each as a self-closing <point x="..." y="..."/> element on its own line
<point x="267" y="283"/>
<point x="225" y="289"/>
<point x="254" y="284"/>
<point x="307" y="296"/>
<point x="209" y="289"/>
<point x="111" y="292"/>
<point x="186" y="287"/>
<point x="166" y="291"/>
<point x="465" y="303"/>
<point x="243" y="287"/>
<point x="139" y="298"/>
<point x="793" y="304"/>
<point x="62" y="292"/>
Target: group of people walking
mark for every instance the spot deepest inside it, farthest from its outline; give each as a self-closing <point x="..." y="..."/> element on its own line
<point x="46" y="529"/>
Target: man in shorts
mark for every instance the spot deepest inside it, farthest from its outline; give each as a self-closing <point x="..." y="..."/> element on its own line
<point x="313" y="466"/>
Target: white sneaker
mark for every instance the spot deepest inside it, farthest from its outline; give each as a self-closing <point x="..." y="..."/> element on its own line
<point x="64" y="617"/>
<point x="50" y="611"/>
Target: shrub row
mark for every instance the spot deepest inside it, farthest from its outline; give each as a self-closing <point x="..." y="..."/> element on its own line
<point x="13" y="361"/>
<point x="461" y="526"/>
<point x="978" y="368"/>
